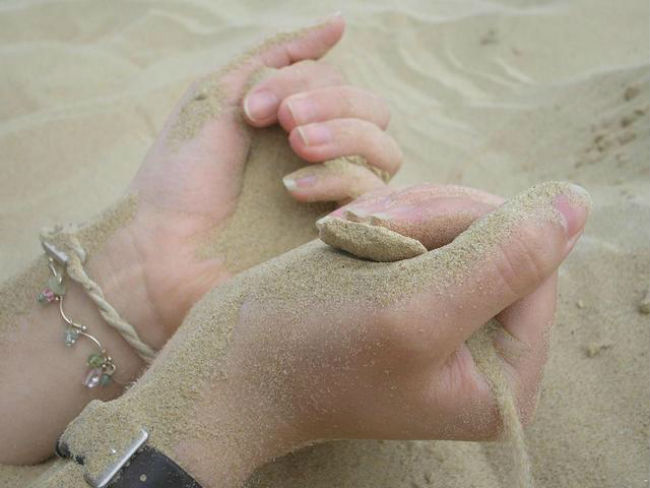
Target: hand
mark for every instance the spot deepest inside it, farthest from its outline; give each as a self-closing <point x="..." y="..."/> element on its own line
<point x="188" y="186"/>
<point x="190" y="180"/>
<point x="318" y="345"/>
<point x="382" y="338"/>
<point x="326" y="119"/>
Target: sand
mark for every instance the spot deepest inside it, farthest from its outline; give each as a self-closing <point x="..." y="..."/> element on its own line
<point x="269" y="160"/>
<point x="368" y="241"/>
<point x="556" y="92"/>
<point x="17" y="295"/>
<point x="173" y="400"/>
<point x="489" y="363"/>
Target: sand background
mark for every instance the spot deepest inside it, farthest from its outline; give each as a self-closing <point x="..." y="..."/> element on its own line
<point x="497" y="95"/>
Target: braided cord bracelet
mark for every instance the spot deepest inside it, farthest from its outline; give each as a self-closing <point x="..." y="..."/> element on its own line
<point x="101" y="365"/>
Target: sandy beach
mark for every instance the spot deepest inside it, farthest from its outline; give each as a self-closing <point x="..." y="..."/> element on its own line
<point x="498" y="95"/>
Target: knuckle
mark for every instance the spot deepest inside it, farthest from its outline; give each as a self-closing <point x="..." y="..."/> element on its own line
<point x="347" y="99"/>
<point x="521" y="264"/>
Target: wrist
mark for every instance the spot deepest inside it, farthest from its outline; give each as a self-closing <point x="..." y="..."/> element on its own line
<point x="244" y="434"/>
<point x="118" y="269"/>
<point x="152" y="277"/>
<point x="129" y="364"/>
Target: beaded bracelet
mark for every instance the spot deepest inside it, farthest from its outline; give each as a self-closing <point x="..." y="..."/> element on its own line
<point x="101" y="364"/>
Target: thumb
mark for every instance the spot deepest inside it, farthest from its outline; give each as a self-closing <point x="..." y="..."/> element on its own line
<point x="307" y="43"/>
<point x="212" y="97"/>
<point x="282" y="50"/>
<point x="504" y="256"/>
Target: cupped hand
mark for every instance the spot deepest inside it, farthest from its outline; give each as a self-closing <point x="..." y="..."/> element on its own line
<point x="357" y="349"/>
<point x="190" y="181"/>
<point x="317" y="344"/>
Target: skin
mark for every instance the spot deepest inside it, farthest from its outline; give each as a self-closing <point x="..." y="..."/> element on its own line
<point x="189" y="190"/>
<point x="351" y="365"/>
<point x="419" y="340"/>
<point x="409" y="358"/>
<point x="184" y="190"/>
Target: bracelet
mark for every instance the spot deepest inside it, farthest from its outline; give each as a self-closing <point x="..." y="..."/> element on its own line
<point x="101" y="364"/>
<point x="72" y="260"/>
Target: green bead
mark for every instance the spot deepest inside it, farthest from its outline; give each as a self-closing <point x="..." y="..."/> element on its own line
<point x="70" y="336"/>
<point x="57" y="287"/>
<point x="105" y="379"/>
<point x="95" y="360"/>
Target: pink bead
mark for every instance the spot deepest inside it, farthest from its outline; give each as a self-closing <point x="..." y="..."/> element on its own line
<point x="47" y="296"/>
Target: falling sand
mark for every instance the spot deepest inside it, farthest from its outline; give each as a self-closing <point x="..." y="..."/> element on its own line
<point x="488" y="361"/>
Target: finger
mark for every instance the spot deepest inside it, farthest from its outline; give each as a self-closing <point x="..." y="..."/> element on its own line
<point x="528" y="321"/>
<point x="431" y="214"/>
<point x="524" y="341"/>
<point x="212" y="96"/>
<point x="337" y="180"/>
<point x="277" y="52"/>
<point x="262" y="101"/>
<point x="341" y="137"/>
<point x="308" y="43"/>
<point x="332" y="102"/>
<point x="499" y="260"/>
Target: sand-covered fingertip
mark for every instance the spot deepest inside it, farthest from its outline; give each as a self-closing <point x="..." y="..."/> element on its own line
<point x="368" y="241"/>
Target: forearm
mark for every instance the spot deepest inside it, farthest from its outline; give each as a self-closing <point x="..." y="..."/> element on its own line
<point x="41" y="387"/>
<point x="42" y="378"/>
<point x="199" y="406"/>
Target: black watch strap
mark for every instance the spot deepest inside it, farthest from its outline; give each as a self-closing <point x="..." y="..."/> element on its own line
<point x="149" y="468"/>
<point x="145" y="468"/>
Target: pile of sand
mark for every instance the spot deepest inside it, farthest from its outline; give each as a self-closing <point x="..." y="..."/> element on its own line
<point x="497" y="96"/>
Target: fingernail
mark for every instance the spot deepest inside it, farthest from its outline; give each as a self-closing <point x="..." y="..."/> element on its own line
<point x="293" y="184"/>
<point x="301" y="110"/>
<point x="260" y="105"/>
<point x="574" y="207"/>
<point x="315" y="134"/>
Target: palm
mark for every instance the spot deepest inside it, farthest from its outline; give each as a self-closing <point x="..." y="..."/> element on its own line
<point x="197" y="177"/>
<point x="190" y="180"/>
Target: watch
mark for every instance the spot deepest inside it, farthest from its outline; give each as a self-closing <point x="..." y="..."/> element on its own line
<point x="140" y="466"/>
